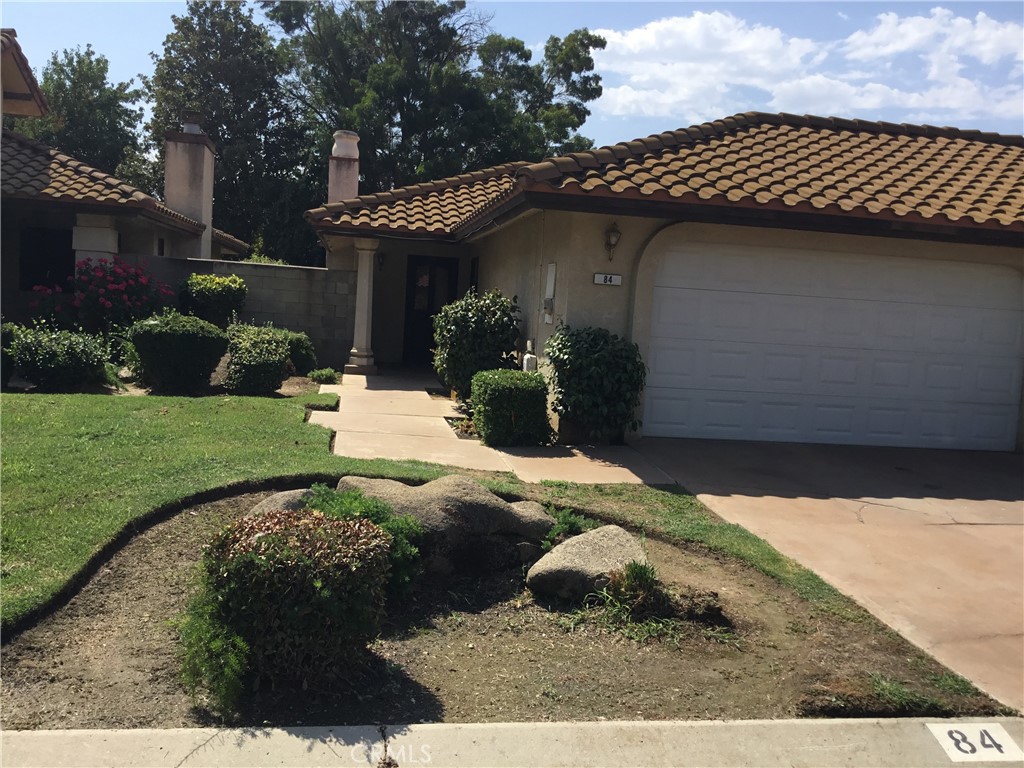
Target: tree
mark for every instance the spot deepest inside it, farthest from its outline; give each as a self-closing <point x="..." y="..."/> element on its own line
<point x="429" y="92"/>
<point x="90" y="118"/>
<point x="222" y="64"/>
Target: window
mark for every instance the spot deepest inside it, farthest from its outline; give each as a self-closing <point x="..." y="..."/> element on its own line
<point x="45" y="258"/>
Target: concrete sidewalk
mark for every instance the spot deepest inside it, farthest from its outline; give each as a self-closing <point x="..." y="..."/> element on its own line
<point x="394" y="417"/>
<point x="766" y="743"/>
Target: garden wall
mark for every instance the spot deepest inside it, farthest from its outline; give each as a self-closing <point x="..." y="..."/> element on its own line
<point x="315" y="300"/>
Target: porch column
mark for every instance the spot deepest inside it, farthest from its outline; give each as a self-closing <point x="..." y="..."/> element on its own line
<point x="360" y="357"/>
<point x="94" y="237"/>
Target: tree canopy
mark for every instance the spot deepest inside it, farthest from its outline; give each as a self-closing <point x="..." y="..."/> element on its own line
<point x="90" y="118"/>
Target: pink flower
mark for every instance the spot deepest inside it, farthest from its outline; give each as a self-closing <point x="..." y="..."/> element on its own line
<point x="143" y="280"/>
<point x="103" y="261"/>
<point x="58" y="289"/>
<point x="107" y="304"/>
<point x="102" y="291"/>
<point x="76" y="303"/>
<point x="98" y="272"/>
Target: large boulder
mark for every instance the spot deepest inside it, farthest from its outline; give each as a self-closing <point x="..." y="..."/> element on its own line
<point x="466" y="527"/>
<point x="288" y="500"/>
<point x="580" y="566"/>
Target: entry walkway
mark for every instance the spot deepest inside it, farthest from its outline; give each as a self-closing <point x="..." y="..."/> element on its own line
<point x="395" y="417"/>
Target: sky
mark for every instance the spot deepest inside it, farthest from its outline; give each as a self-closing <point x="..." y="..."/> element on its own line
<point x="669" y="65"/>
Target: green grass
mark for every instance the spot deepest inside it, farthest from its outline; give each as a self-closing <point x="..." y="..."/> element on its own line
<point x="75" y="470"/>
<point x="672" y="513"/>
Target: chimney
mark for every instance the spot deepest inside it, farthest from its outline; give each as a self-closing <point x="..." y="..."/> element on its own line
<point x="188" y="180"/>
<point x="343" y="171"/>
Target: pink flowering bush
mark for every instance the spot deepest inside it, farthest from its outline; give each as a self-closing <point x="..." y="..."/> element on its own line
<point x="103" y="295"/>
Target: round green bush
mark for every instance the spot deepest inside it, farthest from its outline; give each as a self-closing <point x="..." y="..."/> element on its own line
<point x="300" y="351"/>
<point x="597" y="378"/>
<point x="511" y="408"/>
<point x="214" y="298"/>
<point x="301" y="590"/>
<point x="58" y="361"/>
<point x="475" y="333"/>
<point x="257" y="359"/>
<point x="177" y="353"/>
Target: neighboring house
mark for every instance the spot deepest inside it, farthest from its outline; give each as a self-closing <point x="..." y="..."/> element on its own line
<point x="786" y="278"/>
<point x="56" y="209"/>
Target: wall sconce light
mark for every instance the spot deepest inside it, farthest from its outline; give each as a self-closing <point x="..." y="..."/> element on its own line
<point x="611" y="239"/>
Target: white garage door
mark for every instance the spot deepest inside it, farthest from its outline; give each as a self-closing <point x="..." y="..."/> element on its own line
<point x="779" y="344"/>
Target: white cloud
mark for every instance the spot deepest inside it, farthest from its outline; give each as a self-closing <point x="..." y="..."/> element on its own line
<point x="707" y="65"/>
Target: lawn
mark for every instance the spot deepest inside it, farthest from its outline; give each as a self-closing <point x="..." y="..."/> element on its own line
<point x="76" y="470"/>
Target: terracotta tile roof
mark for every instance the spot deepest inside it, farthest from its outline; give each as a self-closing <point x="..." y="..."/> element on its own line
<point x="230" y="242"/>
<point x="22" y="95"/>
<point x="31" y="170"/>
<point x="811" y="165"/>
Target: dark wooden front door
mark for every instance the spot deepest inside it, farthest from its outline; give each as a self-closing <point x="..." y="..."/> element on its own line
<point x="431" y="282"/>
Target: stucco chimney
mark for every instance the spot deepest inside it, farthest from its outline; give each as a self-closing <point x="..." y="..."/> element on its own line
<point x="188" y="180"/>
<point x="343" y="172"/>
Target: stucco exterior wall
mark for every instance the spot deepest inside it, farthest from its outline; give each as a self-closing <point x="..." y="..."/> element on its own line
<point x="314" y="300"/>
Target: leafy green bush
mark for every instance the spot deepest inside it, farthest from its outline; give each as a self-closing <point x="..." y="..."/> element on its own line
<point x="7" y="331"/>
<point x="177" y="353"/>
<point x="475" y="333"/>
<point x="511" y="408"/>
<point x="323" y="376"/>
<point x="597" y="380"/>
<point x="300" y="351"/>
<point x="56" y="360"/>
<point x="405" y="531"/>
<point x="258" y="359"/>
<point x="214" y="298"/>
<point x="287" y="596"/>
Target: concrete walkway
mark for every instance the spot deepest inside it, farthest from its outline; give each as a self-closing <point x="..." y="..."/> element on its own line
<point x="931" y="542"/>
<point x="394" y="417"/>
<point x="793" y="743"/>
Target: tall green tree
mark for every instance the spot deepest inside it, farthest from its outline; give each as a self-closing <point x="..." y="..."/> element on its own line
<point x="429" y="91"/>
<point x="224" y="65"/>
<point x="90" y="118"/>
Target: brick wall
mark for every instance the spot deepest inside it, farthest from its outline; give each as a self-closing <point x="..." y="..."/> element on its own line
<point x="318" y="301"/>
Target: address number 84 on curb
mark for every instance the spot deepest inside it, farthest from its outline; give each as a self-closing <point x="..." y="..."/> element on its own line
<point x="976" y="742"/>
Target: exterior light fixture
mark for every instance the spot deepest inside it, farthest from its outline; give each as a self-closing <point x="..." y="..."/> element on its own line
<point x="611" y="239"/>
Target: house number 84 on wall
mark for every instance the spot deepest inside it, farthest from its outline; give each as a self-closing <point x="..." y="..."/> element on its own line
<point x="976" y="742"/>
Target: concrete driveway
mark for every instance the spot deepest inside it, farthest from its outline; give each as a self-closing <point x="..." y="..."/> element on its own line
<point x="931" y="542"/>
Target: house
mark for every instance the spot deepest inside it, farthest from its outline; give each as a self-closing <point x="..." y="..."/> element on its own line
<point x="786" y="278"/>
<point x="57" y="210"/>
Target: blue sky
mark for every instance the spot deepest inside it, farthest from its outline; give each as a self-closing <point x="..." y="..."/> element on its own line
<point x="673" y="64"/>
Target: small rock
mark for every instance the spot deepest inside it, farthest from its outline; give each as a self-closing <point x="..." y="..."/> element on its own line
<point x="580" y="566"/>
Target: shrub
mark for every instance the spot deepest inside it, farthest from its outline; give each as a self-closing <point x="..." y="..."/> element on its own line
<point x="300" y="351"/>
<point x="7" y="331"/>
<point x="214" y="298"/>
<point x="475" y="333"/>
<point x="511" y="408"/>
<point x="177" y="353"/>
<point x="567" y="525"/>
<point x="258" y="359"/>
<point x="101" y="296"/>
<point x="287" y="596"/>
<point x="323" y="376"/>
<point x="58" y="360"/>
<point x="405" y="531"/>
<point x="597" y="380"/>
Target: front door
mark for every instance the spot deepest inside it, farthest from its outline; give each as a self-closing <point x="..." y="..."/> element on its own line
<point x="431" y="282"/>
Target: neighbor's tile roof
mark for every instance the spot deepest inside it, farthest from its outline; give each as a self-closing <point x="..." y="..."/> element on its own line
<point x="921" y="174"/>
<point x="13" y="56"/>
<point x="33" y="171"/>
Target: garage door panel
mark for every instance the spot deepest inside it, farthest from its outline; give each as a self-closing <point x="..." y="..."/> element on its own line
<point x="769" y="344"/>
<point x="812" y="371"/>
<point x="765" y="416"/>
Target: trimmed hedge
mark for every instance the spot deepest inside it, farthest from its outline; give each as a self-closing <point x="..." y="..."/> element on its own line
<point x="177" y="353"/>
<point x="475" y="333"/>
<point x="300" y="351"/>
<point x="510" y="408"/>
<point x="597" y="381"/>
<point x="288" y="597"/>
<point x="55" y="360"/>
<point x="258" y="359"/>
<point x="214" y="298"/>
